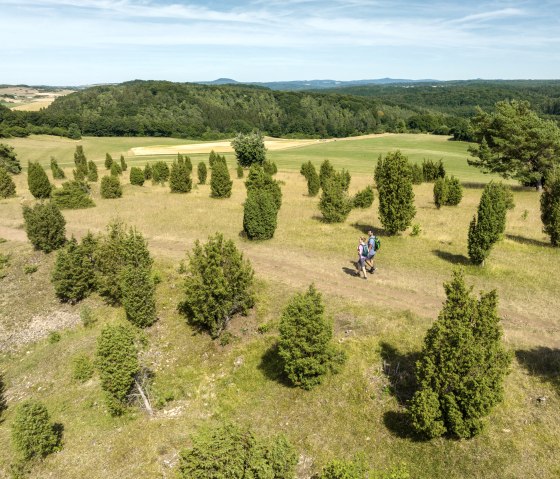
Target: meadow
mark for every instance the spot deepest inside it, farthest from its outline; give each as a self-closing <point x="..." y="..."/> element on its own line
<point x="380" y="323"/>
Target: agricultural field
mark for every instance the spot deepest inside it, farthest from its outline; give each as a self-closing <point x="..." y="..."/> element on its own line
<point x="28" y="98"/>
<point x="379" y="323"/>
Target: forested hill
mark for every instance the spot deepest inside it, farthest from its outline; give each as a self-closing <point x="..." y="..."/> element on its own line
<point x="460" y="98"/>
<point x="160" y="108"/>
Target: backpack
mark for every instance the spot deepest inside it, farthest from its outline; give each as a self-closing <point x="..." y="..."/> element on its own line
<point x="377" y="243"/>
<point x="365" y="250"/>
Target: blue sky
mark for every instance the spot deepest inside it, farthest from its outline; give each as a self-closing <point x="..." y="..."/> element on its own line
<point x="74" y="42"/>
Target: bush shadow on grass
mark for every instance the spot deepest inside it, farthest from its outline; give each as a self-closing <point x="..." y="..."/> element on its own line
<point x="452" y="258"/>
<point x="272" y="366"/>
<point x="398" y="423"/>
<point x="399" y="369"/>
<point x="365" y="228"/>
<point x="477" y="185"/>
<point x="528" y="241"/>
<point x="541" y="361"/>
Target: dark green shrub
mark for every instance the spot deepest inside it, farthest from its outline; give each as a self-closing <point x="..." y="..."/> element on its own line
<point x="124" y="166"/>
<point x="73" y="195"/>
<point x="550" y="207"/>
<point x="350" y="469"/>
<point x="136" y="176"/>
<point x="269" y="167"/>
<point x="220" y="182"/>
<point x="212" y="158"/>
<point x="219" y="284"/>
<point x="54" y="337"/>
<point x="249" y="149"/>
<point x="440" y="192"/>
<point x="305" y="345"/>
<point x="345" y="179"/>
<point x="80" y="160"/>
<point x="160" y="172"/>
<point x="432" y="171"/>
<point x="202" y="173"/>
<point x="45" y="226"/>
<point x="38" y="182"/>
<point x="417" y="174"/>
<point x="7" y="185"/>
<point x="454" y="191"/>
<point x="82" y="368"/>
<point x="240" y="171"/>
<point x="8" y="159"/>
<point x="110" y="187"/>
<point x="138" y="296"/>
<point x="57" y="171"/>
<point x="180" y="178"/>
<point x="92" y="172"/>
<point x="313" y="180"/>
<point x="116" y="169"/>
<point x="73" y="276"/>
<point x="259" y="215"/>
<point x="74" y="132"/>
<point x="335" y="204"/>
<point x="188" y="164"/>
<point x="228" y="451"/>
<point x="108" y="161"/>
<point x="148" y="172"/>
<point x="396" y="196"/>
<point x="33" y="435"/>
<point x="257" y="179"/>
<point x="364" y="198"/>
<point x="325" y="172"/>
<point x="462" y="366"/>
<point x="117" y="362"/>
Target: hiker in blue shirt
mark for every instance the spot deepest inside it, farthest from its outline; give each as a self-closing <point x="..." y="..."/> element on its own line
<point x="372" y="245"/>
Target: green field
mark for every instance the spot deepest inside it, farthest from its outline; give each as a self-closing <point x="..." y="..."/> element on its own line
<point x="380" y="323"/>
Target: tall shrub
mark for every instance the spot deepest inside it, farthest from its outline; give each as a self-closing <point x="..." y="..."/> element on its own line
<point x="249" y="148"/>
<point x="396" y="196"/>
<point x="124" y="166"/>
<point x="136" y="176"/>
<point x="160" y="172"/>
<point x="305" y="345"/>
<point x="258" y="179"/>
<point x="550" y="207"/>
<point x="138" y="295"/>
<point x="202" y="173"/>
<point x="80" y="160"/>
<point x="8" y="159"/>
<point x="38" y="181"/>
<point x="259" y="215"/>
<point x="57" y="171"/>
<point x="45" y="226"/>
<point x="110" y="187"/>
<point x="73" y="195"/>
<point x="92" y="171"/>
<point x="7" y="185"/>
<point x="148" y="172"/>
<point x="180" y="179"/>
<point x="335" y="204"/>
<point x="218" y="285"/>
<point x="108" y="161"/>
<point x="116" y="169"/>
<point x="364" y="198"/>
<point x="325" y="172"/>
<point x="462" y="366"/>
<point x="220" y="182"/>
<point x="240" y="172"/>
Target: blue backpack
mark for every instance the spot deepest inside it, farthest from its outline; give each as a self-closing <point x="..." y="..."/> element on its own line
<point x="365" y="250"/>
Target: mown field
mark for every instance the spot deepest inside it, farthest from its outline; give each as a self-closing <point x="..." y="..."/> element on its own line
<point x="380" y="323"/>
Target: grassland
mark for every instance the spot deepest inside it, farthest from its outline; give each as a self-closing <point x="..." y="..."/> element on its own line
<point x="380" y="323"/>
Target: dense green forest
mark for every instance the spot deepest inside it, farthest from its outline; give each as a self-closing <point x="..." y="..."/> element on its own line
<point x="188" y="110"/>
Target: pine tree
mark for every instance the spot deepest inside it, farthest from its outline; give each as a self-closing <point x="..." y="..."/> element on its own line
<point x="305" y="345"/>
<point x="160" y="172"/>
<point x="257" y="179"/>
<point x="57" y="171"/>
<point x="220" y="182"/>
<point x="8" y="159"/>
<point x="148" y="172"/>
<point x="38" y="181"/>
<point x="180" y="179"/>
<point x="325" y="172"/>
<point x="440" y="192"/>
<point x="138" y="296"/>
<point x="240" y="171"/>
<point x="364" y="198"/>
<point x="550" y="206"/>
<point x="45" y="226"/>
<point x="73" y="276"/>
<point x="92" y="172"/>
<point x="462" y="366"/>
<point x="73" y="195"/>
<point x="124" y="166"/>
<point x="219" y="284"/>
<point x="80" y="160"/>
<point x="313" y="180"/>
<point x="259" y="215"/>
<point x="117" y="361"/>
<point x="345" y="179"/>
<point x="33" y="434"/>
<point x="212" y="158"/>
<point x="110" y="187"/>
<point x="7" y="185"/>
<point x="335" y="204"/>
<point x="136" y="176"/>
<point x="417" y="174"/>
<point x="396" y="196"/>
<point x="116" y="169"/>
<point x="454" y="191"/>
<point x="202" y="173"/>
<point x="108" y="161"/>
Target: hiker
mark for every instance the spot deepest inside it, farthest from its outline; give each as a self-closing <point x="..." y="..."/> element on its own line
<point x="371" y="244"/>
<point x="362" y="255"/>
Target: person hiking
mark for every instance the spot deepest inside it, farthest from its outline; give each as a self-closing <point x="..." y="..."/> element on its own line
<point x="371" y="252"/>
<point x="362" y="255"/>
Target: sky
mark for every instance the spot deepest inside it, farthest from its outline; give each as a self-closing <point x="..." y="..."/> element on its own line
<point x="82" y="42"/>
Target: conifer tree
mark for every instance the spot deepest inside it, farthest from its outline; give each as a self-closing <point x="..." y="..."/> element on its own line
<point x="108" y="161"/>
<point x="7" y="185"/>
<point x="160" y="172"/>
<point x="305" y="345"/>
<point x="92" y="172"/>
<point x="136" y="176"/>
<point x="313" y="180"/>
<point x="440" y="192"/>
<point x="33" y="434"/>
<point x="73" y="276"/>
<point x="80" y="160"/>
<point x="8" y="159"/>
<point x="257" y="179"/>
<point x="148" y="172"/>
<point x="259" y="215"/>
<point x="202" y="173"/>
<point x="393" y="176"/>
<point x="325" y="172"/>
<point x="180" y="179"/>
<point x="304" y="169"/>
<point x="116" y="169"/>
<point x="110" y="187"/>
<point x="345" y="179"/>
<point x="212" y="158"/>
<point x="462" y="366"/>
<point x="417" y="174"/>
<point x="270" y="167"/>
<point x="124" y="166"/>
<point x="454" y="191"/>
<point x="364" y="198"/>
<point x="38" y="181"/>
<point x="335" y="204"/>
<point x="45" y="226"/>
<point x="240" y="171"/>
<point x="57" y="171"/>
<point x="73" y="195"/>
<point x="219" y="285"/>
<point x="550" y="206"/>
<point x="138" y="295"/>
<point x="188" y="164"/>
<point x="220" y="182"/>
<point x="117" y="361"/>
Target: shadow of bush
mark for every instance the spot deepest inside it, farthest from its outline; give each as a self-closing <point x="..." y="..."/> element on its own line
<point x="272" y="366"/>
<point x="452" y="258"/>
<point x="543" y="362"/>
<point x="400" y="370"/>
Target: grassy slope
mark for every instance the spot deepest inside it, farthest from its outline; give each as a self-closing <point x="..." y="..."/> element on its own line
<point x="354" y="411"/>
